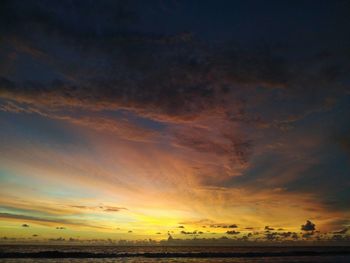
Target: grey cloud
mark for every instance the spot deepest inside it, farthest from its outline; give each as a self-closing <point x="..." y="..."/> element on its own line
<point x="309" y="226"/>
<point x="101" y="207"/>
<point x="191" y="233"/>
<point x="179" y="86"/>
<point x="150" y="73"/>
<point x="59" y="239"/>
<point x="41" y="220"/>
<point x="113" y="209"/>
<point x="344" y="142"/>
<point x="232" y="232"/>
<point x="281" y="235"/>
<point x="225" y="144"/>
<point x="223" y="226"/>
<point x="308" y="235"/>
<point x="47" y="17"/>
<point x="340" y="238"/>
<point x="175" y="90"/>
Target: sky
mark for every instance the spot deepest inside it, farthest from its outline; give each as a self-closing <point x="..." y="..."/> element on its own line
<point x="174" y="120"/>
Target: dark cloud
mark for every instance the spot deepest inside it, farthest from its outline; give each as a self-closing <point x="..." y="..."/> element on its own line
<point x="271" y="236"/>
<point x="340" y="238"/>
<point x="308" y="235"/>
<point x="191" y="233"/>
<point x="179" y="82"/>
<point x="113" y="208"/>
<point x="223" y="226"/>
<point x="25" y="225"/>
<point x="232" y="232"/>
<point x="344" y="142"/>
<point x="267" y="228"/>
<point x="281" y="235"/>
<point x="60" y="228"/>
<point x="57" y="17"/>
<point x="309" y="226"/>
<point x="287" y="234"/>
<point x="180" y="86"/>
<point x="295" y="236"/>
<point x="59" y="239"/>
<point x="168" y="78"/>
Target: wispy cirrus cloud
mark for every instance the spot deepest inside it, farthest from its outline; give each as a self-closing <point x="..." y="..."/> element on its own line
<point x="100" y="207"/>
<point x="46" y="221"/>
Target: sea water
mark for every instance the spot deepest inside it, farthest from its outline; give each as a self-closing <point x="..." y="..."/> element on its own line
<point x="149" y="254"/>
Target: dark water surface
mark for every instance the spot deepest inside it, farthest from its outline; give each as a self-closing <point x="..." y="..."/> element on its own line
<point x="65" y="254"/>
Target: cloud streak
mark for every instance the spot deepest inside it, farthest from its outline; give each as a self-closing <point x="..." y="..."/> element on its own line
<point x="44" y="221"/>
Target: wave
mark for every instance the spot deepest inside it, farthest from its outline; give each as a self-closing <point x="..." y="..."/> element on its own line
<point x="60" y="254"/>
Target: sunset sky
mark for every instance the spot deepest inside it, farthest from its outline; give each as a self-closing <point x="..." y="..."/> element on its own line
<point x="196" y="119"/>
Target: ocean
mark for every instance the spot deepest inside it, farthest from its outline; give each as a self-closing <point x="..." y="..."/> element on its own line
<point x="150" y="254"/>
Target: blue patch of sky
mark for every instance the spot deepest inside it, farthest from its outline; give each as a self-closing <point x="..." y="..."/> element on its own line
<point x="39" y="129"/>
<point x="329" y="178"/>
<point x="42" y="186"/>
<point x="143" y="122"/>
